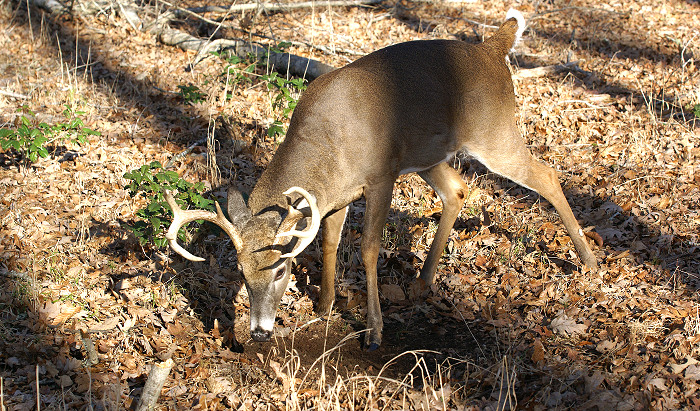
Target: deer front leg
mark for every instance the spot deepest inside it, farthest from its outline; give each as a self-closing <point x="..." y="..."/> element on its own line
<point x="378" y="199"/>
<point x="332" y="230"/>
<point x="452" y="190"/>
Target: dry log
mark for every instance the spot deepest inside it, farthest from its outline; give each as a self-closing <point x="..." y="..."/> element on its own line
<point x="270" y="7"/>
<point x="282" y="62"/>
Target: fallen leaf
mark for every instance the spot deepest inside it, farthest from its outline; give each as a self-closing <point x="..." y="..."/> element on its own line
<point x="678" y="368"/>
<point x="564" y="325"/>
<point x="658" y="383"/>
<point x="692" y="372"/>
<point x="538" y="351"/>
<point x="393" y="292"/>
<point x="605" y="346"/>
<point x="167" y="315"/>
<point x="57" y="313"/>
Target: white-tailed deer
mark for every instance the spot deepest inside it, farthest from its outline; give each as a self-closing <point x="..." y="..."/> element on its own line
<point x="405" y="108"/>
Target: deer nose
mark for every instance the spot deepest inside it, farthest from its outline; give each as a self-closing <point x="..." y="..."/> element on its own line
<point x="260" y="335"/>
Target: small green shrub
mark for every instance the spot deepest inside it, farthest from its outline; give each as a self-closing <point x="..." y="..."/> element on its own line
<point x="239" y="70"/>
<point x="31" y="137"/>
<point x="150" y="181"/>
<point x="286" y="91"/>
<point x="285" y="99"/>
<point x="191" y="94"/>
<point x="696" y="110"/>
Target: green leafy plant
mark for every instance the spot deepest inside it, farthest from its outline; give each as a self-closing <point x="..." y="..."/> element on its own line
<point x="150" y="181"/>
<point x="285" y="91"/>
<point x="696" y="110"/>
<point x="239" y="70"/>
<point x="30" y="137"/>
<point x="191" y="94"/>
<point x="285" y="100"/>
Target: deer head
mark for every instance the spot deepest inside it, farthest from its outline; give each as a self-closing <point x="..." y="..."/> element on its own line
<point x="265" y="243"/>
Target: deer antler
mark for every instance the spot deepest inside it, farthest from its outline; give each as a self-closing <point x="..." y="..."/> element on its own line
<point x="306" y="236"/>
<point x="182" y="217"/>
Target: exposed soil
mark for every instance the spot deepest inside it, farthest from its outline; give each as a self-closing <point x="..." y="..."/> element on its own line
<point x="513" y="321"/>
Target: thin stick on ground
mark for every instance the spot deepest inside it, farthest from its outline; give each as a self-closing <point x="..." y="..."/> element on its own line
<point x="38" y="393"/>
<point x="156" y="379"/>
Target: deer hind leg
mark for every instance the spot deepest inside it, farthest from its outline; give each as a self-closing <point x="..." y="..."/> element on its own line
<point x="452" y="190"/>
<point x="517" y="164"/>
<point x="332" y="229"/>
<point x="378" y="199"/>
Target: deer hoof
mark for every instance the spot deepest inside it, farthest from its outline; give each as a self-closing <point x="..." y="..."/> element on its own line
<point x="261" y="335"/>
<point x="372" y="340"/>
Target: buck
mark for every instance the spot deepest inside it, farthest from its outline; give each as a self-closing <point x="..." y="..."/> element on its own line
<point x="406" y="108"/>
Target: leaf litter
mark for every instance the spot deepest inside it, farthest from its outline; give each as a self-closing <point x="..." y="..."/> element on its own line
<point x="513" y="320"/>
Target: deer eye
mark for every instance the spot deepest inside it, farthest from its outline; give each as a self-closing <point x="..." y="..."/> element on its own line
<point x="279" y="274"/>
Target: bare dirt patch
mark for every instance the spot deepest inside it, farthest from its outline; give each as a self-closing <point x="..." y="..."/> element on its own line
<point x="513" y="318"/>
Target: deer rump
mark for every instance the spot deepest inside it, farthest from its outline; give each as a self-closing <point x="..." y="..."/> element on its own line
<point x="405" y="108"/>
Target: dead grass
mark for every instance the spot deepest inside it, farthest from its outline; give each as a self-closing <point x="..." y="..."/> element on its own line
<point x="622" y="137"/>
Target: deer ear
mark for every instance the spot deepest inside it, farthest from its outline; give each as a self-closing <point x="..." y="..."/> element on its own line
<point x="238" y="211"/>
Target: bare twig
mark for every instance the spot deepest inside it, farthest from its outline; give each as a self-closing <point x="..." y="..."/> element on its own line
<point x="130" y="15"/>
<point x="151" y="390"/>
<point x="185" y="152"/>
<point x="13" y="95"/>
<point x="38" y="391"/>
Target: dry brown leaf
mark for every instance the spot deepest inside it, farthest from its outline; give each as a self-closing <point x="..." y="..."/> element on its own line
<point x="678" y="368"/>
<point x="538" y="351"/>
<point x="692" y="372"/>
<point x="57" y="313"/>
<point x="393" y="292"/>
<point x="564" y="325"/>
<point x="168" y="315"/>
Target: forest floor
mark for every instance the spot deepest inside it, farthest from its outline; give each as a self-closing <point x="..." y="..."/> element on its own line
<point x="514" y="319"/>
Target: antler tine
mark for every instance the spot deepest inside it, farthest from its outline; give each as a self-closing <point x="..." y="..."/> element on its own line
<point x="306" y="236"/>
<point x="182" y="217"/>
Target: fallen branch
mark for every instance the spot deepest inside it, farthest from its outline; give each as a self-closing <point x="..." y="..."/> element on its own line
<point x="130" y="15"/>
<point x="270" y="7"/>
<point x="52" y="6"/>
<point x="282" y="62"/>
<point x="185" y="152"/>
<point x="548" y="70"/>
<point x="13" y="95"/>
<point x="193" y="12"/>
<point x="154" y="384"/>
